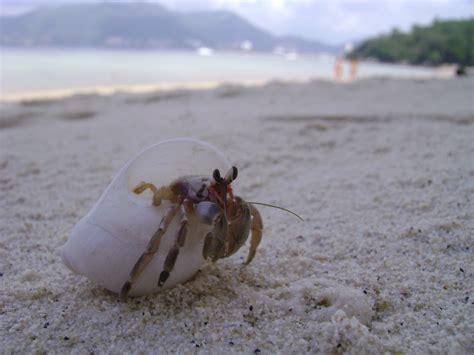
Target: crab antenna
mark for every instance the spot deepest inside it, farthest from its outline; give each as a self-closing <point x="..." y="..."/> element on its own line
<point x="278" y="207"/>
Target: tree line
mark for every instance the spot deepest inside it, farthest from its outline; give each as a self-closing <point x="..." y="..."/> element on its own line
<point x="441" y="42"/>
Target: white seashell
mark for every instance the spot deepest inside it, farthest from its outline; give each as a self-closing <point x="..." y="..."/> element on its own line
<point x="105" y="244"/>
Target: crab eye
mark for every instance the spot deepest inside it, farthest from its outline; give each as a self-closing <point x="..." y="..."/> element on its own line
<point x="217" y="175"/>
<point x="231" y="175"/>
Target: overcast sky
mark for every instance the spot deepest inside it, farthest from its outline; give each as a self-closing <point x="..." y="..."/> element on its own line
<point x="330" y="21"/>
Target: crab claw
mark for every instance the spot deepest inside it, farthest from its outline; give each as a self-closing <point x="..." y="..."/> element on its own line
<point x="215" y="243"/>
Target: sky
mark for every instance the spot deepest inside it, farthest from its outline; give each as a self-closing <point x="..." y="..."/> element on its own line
<point x="329" y="21"/>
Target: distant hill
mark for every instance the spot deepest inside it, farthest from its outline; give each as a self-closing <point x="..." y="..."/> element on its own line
<point x="441" y="42"/>
<point x="141" y="25"/>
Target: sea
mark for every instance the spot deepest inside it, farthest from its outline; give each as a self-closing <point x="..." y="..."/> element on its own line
<point x="55" y="72"/>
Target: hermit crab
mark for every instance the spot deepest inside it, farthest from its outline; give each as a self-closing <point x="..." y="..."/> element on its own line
<point x="155" y="225"/>
<point x="166" y="212"/>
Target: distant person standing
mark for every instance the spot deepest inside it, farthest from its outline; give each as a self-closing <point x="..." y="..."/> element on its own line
<point x="338" y="70"/>
<point x="354" y="68"/>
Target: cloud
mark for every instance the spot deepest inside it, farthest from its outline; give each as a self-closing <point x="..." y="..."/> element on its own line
<point x="341" y="20"/>
<point x="336" y="21"/>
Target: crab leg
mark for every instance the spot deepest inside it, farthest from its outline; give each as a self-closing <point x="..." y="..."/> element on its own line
<point x="150" y="251"/>
<point x="163" y="193"/>
<point x="174" y="251"/>
<point x="256" y="227"/>
<point x="143" y="186"/>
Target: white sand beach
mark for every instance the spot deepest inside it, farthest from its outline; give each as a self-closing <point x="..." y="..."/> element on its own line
<point x="382" y="171"/>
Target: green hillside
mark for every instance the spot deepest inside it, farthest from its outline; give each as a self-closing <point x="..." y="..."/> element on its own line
<point x="441" y="42"/>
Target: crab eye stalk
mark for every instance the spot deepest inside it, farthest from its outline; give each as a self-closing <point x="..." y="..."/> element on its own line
<point x="217" y="176"/>
<point x="231" y="175"/>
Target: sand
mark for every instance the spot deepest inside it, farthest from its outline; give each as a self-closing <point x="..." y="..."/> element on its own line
<point x="382" y="171"/>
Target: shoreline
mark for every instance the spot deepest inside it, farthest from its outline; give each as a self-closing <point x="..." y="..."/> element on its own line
<point x="125" y="89"/>
<point x="194" y="86"/>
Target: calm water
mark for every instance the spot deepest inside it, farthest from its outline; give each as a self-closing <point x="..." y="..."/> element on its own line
<point x="30" y="71"/>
